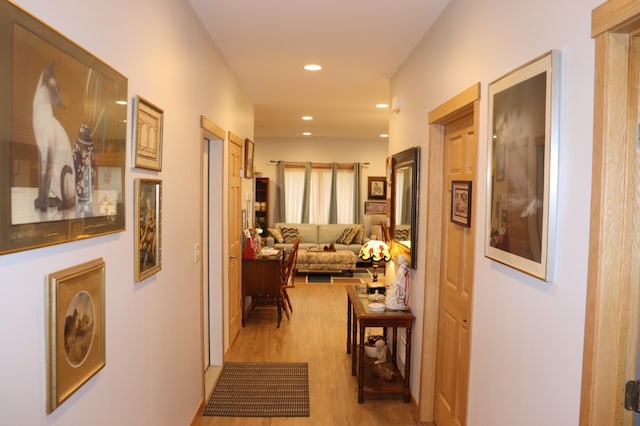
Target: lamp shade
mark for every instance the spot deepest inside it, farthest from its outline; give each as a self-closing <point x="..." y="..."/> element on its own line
<point x="375" y="250"/>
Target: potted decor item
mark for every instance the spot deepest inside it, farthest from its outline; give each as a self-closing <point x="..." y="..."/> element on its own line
<point x="370" y="346"/>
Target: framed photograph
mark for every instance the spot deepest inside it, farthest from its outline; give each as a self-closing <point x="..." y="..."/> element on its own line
<point x="75" y="329"/>
<point x="376" y="207"/>
<point x="148" y="221"/>
<point x="62" y="138"/>
<point x="522" y="167"/>
<point x="248" y="158"/>
<point x="461" y="202"/>
<point x="147" y="134"/>
<point x="377" y="188"/>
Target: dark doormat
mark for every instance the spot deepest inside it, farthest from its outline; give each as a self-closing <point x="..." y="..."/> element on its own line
<point x="318" y="277"/>
<point x="336" y="277"/>
<point x="261" y="389"/>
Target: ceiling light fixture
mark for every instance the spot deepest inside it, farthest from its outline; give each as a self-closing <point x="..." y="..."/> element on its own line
<point x="313" y="67"/>
<point x="384" y="135"/>
<point x="306" y="134"/>
<point x="307" y="117"/>
<point x="382" y="106"/>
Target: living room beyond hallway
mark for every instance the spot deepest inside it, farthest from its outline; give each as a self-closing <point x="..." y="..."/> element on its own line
<point x="316" y="334"/>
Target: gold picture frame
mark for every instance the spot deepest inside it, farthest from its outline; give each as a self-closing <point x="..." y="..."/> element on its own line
<point x="148" y="224"/>
<point x="249" y="149"/>
<point x="75" y="329"/>
<point x="376" y="207"/>
<point x="78" y="193"/>
<point x="148" y="122"/>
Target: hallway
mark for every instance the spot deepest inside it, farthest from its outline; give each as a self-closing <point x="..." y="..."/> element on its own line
<point x="316" y="333"/>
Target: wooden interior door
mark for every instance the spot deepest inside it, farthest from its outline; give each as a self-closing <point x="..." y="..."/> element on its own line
<point x="456" y="286"/>
<point x="235" y="236"/>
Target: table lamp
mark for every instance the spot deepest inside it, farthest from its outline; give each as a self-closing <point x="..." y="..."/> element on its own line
<point x="377" y="251"/>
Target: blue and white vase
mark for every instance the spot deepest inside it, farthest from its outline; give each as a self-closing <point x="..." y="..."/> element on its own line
<point x="84" y="162"/>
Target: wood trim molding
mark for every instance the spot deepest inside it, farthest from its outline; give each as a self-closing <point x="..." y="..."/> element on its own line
<point x="466" y="102"/>
<point x="212" y="127"/>
<point x="456" y="106"/>
<point x="601" y="386"/>
<point x="615" y="15"/>
<point x="611" y="322"/>
<point x="235" y="139"/>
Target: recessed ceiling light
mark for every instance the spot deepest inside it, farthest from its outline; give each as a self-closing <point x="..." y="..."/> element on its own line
<point x="381" y="106"/>
<point x="306" y="134"/>
<point x="384" y="135"/>
<point x="121" y="102"/>
<point x="313" y="67"/>
<point x="307" y="117"/>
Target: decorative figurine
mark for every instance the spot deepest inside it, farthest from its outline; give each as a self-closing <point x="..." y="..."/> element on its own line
<point x="398" y="294"/>
<point x="381" y="349"/>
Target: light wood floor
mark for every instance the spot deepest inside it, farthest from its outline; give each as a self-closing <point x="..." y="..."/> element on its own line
<point x="316" y="333"/>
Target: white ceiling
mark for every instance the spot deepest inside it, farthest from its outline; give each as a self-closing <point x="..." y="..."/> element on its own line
<point x="359" y="43"/>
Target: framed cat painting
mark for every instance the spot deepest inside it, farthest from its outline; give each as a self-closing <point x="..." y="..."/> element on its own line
<point x="62" y="138"/>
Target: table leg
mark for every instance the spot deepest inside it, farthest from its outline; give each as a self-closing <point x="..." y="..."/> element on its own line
<point x="407" y="367"/>
<point x="348" y="326"/>
<point x="361" y="367"/>
<point x="395" y="345"/>
<point x="354" y="333"/>
<point x="280" y="306"/>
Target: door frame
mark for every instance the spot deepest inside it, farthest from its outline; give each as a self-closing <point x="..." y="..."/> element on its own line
<point x="611" y="324"/>
<point x="209" y="131"/>
<point x="462" y="104"/>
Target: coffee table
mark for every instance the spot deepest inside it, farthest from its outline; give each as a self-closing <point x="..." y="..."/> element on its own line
<point x="326" y="261"/>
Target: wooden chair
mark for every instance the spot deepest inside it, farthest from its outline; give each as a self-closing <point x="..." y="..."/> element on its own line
<point x="287" y="278"/>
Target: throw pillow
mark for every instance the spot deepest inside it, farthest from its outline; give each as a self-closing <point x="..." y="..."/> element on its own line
<point x="346" y="236"/>
<point x="289" y="234"/>
<point x="359" y="236"/>
<point x="276" y="234"/>
<point x="401" y="234"/>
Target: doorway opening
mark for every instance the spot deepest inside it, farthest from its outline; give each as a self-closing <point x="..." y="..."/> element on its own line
<point x="210" y="252"/>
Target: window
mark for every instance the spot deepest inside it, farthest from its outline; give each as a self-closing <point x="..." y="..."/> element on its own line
<point x="320" y="192"/>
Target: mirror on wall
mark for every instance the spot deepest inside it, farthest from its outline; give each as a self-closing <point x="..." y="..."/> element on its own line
<point x="404" y="203"/>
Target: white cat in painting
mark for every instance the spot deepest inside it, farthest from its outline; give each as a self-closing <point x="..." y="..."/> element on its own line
<point x="56" y="187"/>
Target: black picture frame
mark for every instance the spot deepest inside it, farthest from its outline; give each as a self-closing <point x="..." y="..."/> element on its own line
<point x="377" y="188"/>
<point x="461" y="202"/>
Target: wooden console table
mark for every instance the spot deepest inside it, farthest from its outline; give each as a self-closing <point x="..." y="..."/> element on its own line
<point x="261" y="282"/>
<point x="359" y="318"/>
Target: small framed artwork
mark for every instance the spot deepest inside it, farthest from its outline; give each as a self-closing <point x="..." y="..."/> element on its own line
<point x="147" y="134"/>
<point x="62" y="138"/>
<point x="376" y="207"/>
<point x="461" y="202"/>
<point x="75" y="329"/>
<point x="248" y="158"/>
<point x="148" y="220"/>
<point x="522" y="167"/>
<point x="377" y="188"/>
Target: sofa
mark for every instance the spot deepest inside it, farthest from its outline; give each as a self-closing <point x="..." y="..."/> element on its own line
<point x="316" y="236"/>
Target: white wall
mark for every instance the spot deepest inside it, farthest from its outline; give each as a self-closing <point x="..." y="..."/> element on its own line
<point x="527" y="335"/>
<point x="154" y="369"/>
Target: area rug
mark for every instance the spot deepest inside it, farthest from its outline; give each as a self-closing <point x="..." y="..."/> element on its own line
<point x="261" y="389"/>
